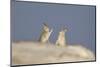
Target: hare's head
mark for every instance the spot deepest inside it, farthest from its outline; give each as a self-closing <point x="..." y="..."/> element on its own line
<point x="45" y="27"/>
<point x="64" y="29"/>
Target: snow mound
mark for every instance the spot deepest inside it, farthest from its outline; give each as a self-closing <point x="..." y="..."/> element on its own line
<point x="37" y="53"/>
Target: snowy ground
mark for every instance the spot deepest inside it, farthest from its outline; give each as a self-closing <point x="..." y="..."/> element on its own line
<point x="36" y="53"/>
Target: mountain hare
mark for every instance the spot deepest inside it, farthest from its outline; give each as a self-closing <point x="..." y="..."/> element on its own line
<point x="46" y="32"/>
<point x="61" y="41"/>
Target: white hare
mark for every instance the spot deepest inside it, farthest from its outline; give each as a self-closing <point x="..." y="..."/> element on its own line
<point x="61" y="41"/>
<point x="46" y="32"/>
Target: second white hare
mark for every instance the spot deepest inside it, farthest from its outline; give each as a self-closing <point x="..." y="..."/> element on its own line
<point x="61" y="41"/>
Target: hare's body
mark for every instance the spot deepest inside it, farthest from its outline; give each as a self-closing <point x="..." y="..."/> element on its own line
<point x="61" y="41"/>
<point x="46" y="32"/>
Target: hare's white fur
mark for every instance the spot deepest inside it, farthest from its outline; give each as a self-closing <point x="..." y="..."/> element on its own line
<point x="46" y="32"/>
<point x="61" y="41"/>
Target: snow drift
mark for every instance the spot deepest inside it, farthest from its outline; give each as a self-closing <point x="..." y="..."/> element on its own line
<point x="36" y="53"/>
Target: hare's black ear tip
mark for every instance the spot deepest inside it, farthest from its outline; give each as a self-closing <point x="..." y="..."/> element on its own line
<point x="45" y="24"/>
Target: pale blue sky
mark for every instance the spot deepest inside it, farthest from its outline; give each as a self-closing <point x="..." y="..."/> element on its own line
<point x="27" y="19"/>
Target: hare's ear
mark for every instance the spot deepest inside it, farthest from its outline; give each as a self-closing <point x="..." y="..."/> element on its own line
<point x="45" y="24"/>
<point x="65" y="29"/>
